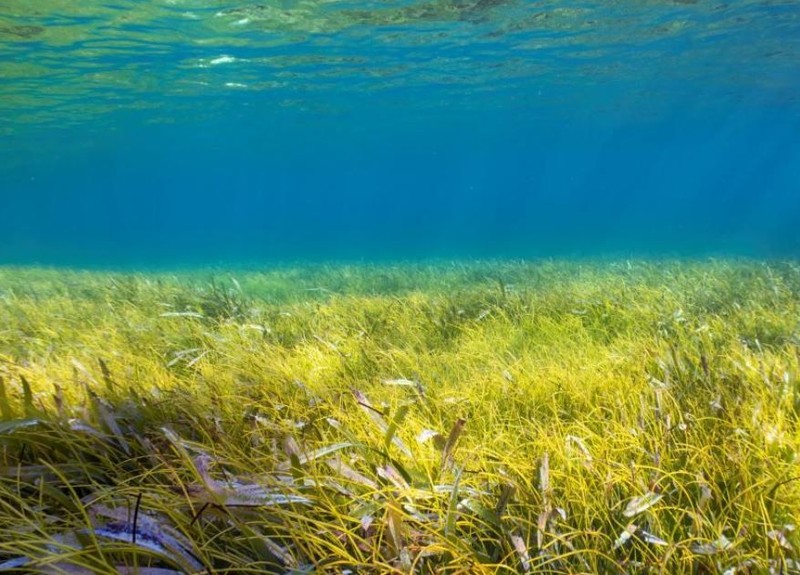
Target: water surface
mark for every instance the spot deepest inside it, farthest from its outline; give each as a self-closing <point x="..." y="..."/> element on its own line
<point x="198" y="131"/>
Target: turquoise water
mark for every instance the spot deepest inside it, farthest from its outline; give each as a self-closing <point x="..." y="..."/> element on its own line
<point x="179" y="132"/>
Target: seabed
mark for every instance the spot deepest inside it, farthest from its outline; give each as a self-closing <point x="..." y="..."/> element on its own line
<point x="481" y="417"/>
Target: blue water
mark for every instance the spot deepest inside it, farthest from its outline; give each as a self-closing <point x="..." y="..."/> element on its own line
<point x="207" y="132"/>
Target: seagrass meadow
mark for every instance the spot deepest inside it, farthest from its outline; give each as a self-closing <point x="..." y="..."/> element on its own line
<point x="487" y="417"/>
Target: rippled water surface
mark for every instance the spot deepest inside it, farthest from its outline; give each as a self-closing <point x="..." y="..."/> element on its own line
<point x="216" y="129"/>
